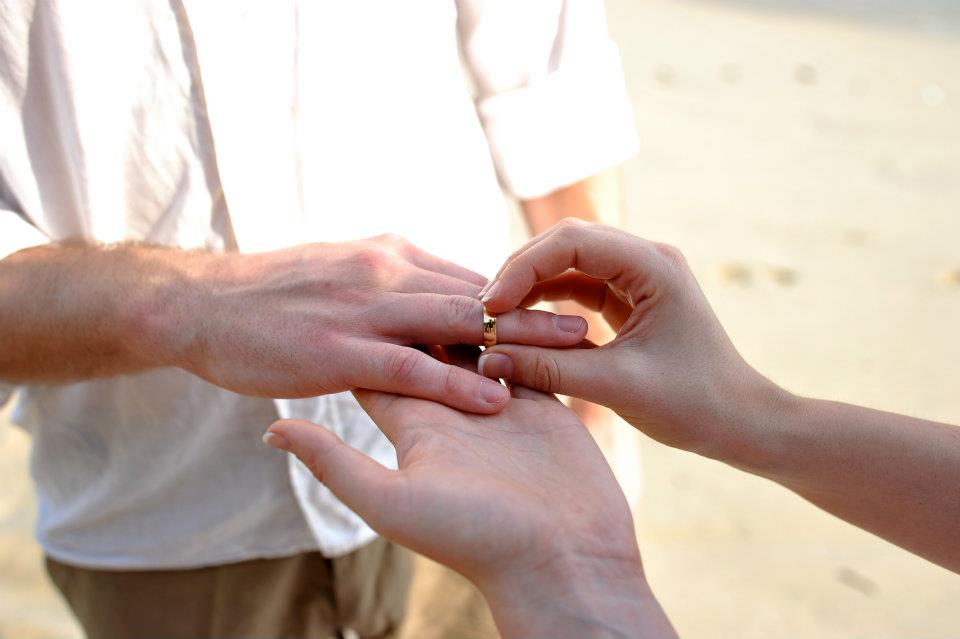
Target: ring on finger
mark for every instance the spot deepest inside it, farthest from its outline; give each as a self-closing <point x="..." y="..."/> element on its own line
<point x="489" y="330"/>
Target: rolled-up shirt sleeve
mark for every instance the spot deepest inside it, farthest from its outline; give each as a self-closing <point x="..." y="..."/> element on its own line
<point x="550" y="90"/>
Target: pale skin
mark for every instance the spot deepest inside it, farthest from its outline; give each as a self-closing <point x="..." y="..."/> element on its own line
<point x="673" y="373"/>
<point x="305" y="321"/>
<point x="597" y="198"/>
<point x="522" y="503"/>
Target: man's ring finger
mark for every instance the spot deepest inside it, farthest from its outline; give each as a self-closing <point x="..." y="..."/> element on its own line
<point x="489" y="330"/>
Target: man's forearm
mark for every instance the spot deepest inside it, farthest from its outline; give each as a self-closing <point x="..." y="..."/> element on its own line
<point x="598" y="198"/>
<point x="895" y="476"/>
<point x="304" y="321"/>
<point x="76" y="311"/>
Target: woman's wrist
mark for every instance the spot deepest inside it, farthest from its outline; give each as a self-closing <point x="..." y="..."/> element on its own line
<point x="758" y="425"/>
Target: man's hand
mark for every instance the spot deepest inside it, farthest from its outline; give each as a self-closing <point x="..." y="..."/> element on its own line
<point x="323" y="318"/>
<point x="522" y="503"/>
<point x="313" y="319"/>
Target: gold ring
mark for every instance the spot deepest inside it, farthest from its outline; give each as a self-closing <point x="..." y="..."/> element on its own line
<point x="489" y="330"/>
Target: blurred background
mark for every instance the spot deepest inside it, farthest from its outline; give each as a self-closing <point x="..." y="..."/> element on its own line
<point x="806" y="158"/>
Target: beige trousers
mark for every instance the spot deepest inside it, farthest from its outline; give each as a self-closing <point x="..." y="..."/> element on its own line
<point x="305" y="596"/>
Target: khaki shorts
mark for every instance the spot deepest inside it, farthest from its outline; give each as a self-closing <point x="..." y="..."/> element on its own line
<point x="305" y="596"/>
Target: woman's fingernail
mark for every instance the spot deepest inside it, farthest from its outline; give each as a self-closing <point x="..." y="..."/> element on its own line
<point x="495" y="365"/>
<point x="484" y="289"/>
<point x="569" y="323"/>
<point x="489" y="294"/>
<point x="493" y="392"/>
<point x="276" y="441"/>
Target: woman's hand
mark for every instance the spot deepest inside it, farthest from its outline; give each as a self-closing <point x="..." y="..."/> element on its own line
<point x="522" y="503"/>
<point x="671" y="371"/>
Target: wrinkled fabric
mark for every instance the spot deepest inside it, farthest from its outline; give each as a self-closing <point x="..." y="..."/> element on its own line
<point x="253" y="126"/>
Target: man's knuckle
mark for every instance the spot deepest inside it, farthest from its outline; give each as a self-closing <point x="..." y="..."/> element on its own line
<point x="393" y="241"/>
<point x="459" y="312"/>
<point x="370" y="260"/>
<point x="401" y="366"/>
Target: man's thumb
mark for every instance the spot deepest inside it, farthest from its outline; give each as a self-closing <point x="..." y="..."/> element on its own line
<point x="551" y="370"/>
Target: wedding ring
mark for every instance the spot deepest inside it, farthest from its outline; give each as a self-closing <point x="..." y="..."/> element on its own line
<point x="489" y="330"/>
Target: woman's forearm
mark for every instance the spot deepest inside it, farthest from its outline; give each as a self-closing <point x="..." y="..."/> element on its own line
<point x="674" y="373"/>
<point x="895" y="476"/>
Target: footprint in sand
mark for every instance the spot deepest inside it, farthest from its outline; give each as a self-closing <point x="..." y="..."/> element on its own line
<point x="736" y="273"/>
<point x="805" y="74"/>
<point x="951" y="277"/>
<point x="855" y="237"/>
<point x="783" y="276"/>
<point x="665" y="75"/>
<point x="857" y="581"/>
<point x="730" y="73"/>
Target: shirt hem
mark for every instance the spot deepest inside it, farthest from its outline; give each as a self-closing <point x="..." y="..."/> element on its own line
<point x="115" y="563"/>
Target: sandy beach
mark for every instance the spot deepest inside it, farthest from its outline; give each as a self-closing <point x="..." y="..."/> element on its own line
<point x="808" y="164"/>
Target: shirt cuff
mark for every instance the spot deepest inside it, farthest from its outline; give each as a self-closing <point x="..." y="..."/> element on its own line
<point x="16" y="234"/>
<point x="573" y="123"/>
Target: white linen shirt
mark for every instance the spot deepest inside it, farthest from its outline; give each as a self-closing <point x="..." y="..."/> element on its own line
<point x="252" y="126"/>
